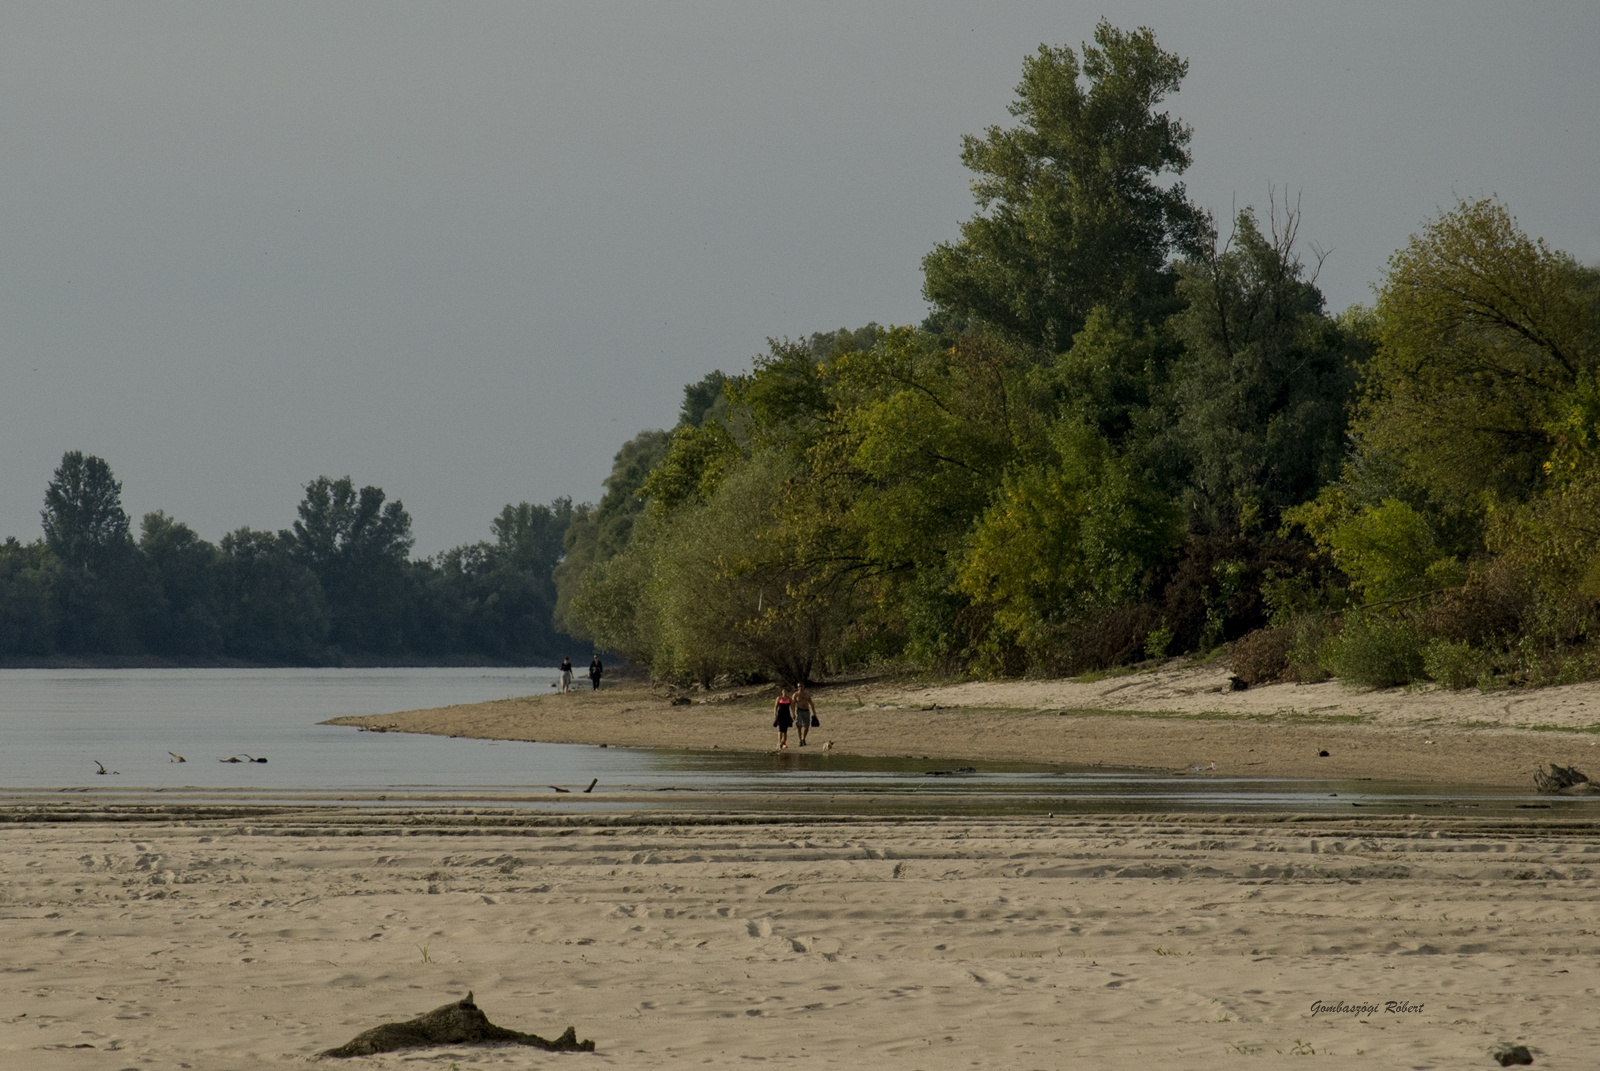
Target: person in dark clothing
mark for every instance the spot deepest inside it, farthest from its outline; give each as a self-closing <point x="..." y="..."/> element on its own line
<point x="595" y="671"/>
<point x="566" y="674"/>
<point x="783" y="717"/>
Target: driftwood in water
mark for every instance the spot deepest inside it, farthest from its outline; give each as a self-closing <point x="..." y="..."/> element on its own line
<point x="1563" y="780"/>
<point x="460" y="1023"/>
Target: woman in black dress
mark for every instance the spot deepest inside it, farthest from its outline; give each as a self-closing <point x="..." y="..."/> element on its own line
<point x="783" y="717"/>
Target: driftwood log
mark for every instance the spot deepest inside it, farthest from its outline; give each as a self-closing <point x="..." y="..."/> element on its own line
<point x="1564" y="781"/>
<point x="460" y="1023"/>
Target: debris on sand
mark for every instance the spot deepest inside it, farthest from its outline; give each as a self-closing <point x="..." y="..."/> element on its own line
<point x="1505" y="1054"/>
<point x="1563" y="780"/>
<point x="459" y="1023"/>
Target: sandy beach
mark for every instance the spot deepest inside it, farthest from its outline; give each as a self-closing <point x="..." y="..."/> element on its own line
<point x="259" y="938"/>
<point x="1172" y="718"/>
<point x="142" y="932"/>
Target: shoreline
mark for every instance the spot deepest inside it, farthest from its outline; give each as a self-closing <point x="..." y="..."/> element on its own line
<point x="1170" y="719"/>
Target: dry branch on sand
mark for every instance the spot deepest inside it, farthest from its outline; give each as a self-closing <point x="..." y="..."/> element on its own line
<point x="458" y="1023"/>
<point x="1565" y="780"/>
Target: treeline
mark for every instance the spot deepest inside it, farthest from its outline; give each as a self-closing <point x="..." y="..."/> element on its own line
<point x="1126" y="432"/>
<point x="338" y="587"/>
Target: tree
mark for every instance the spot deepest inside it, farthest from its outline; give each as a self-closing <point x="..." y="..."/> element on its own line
<point x="87" y="530"/>
<point x="357" y="547"/>
<point x="1066" y="537"/>
<point x="1265" y="383"/>
<point x="1073" y="211"/>
<point x="29" y="609"/>
<point x="597" y="533"/>
<point x="84" y="523"/>
<point x="722" y="586"/>
<point x="497" y="599"/>
<point x="1487" y="341"/>
<point x="275" y="610"/>
<point x="181" y="614"/>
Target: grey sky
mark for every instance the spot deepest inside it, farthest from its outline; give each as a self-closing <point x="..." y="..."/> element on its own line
<point x="463" y="251"/>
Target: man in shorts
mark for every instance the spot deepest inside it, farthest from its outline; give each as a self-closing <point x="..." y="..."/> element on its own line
<point x="805" y="712"/>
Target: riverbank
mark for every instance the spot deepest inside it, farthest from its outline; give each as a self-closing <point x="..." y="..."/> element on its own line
<point x="1175" y="718"/>
<point x="174" y="938"/>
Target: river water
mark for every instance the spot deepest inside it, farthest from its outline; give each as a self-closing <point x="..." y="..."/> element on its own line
<point x="56" y="725"/>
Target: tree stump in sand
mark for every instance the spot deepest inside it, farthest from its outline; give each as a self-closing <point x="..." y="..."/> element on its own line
<point x="460" y="1023"/>
<point x="1563" y="780"/>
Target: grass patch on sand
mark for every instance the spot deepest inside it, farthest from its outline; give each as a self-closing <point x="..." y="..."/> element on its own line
<point x="1281" y="716"/>
<point x="1546" y="728"/>
<point x="1094" y="676"/>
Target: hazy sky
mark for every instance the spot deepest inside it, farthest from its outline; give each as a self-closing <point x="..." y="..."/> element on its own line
<point x="462" y="251"/>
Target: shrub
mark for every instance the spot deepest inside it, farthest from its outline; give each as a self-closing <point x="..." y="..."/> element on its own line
<point x="1263" y="656"/>
<point x="1454" y="665"/>
<point x="1114" y="637"/>
<point x="1374" y="650"/>
<point x="1491" y="607"/>
<point x="1310" y="633"/>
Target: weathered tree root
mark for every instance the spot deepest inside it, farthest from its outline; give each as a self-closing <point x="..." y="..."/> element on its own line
<point x="460" y="1023"/>
<point x="1563" y="780"/>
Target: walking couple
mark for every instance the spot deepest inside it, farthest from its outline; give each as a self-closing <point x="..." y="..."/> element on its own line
<point x="795" y="709"/>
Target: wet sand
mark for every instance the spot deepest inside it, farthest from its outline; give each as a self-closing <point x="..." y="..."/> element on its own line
<point x="254" y="939"/>
<point x="1174" y="718"/>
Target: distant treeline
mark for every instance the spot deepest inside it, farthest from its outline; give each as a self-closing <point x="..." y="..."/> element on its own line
<point x="337" y="587"/>
<point x="1126" y="433"/>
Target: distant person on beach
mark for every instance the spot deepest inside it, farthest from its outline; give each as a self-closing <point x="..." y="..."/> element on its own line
<point x="805" y="712"/>
<point x="783" y="717"/>
<point x="595" y="671"/>
<point x="566" y="674"/>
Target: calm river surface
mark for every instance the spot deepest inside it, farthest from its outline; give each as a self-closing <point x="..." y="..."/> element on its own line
<point x="56" y="724"/>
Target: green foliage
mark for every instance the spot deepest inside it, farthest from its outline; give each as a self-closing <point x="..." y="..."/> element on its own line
<point x="1110" y="376"/>
<point x="725" y="587"/>
<point x="275" y="609"/>
<point x="1454" y="665"/>
<point x="1375" y="650"/>
<point x="337" y="587"/>
<point x="84" y="524"/>
<point x="1389" y="552"/>
<point x="1262" y="389"/>
<point x="698" y="459"/>
<point x="1072" y="534"/>
<point x="1305" y="661"/>
<point x="357" y="545"/>
<point x="1486" y="338"/>
<point x="29" y="610"/>
<point x="182" y="613"/>
<point x="1074" y="210"/>
<point x="597" y="533"/>
<point x="1157" y="643"/>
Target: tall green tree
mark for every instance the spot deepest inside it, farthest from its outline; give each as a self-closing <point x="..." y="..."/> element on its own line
<point x="1263" y="390"/>
<point x="357" y="545"/>
<point x="274" y="609"/>
<point x="597" y="534"/>
<point x="86" y="529"/>
<point x="181" y="613"/>
<point x="29" y="609"/>
<point x="1066" y="537"/>
<point x="84" y="523"/>
<point x="1488" y="342"/>
<point x="497" y="599"/>
<point x="1075" y="209"/>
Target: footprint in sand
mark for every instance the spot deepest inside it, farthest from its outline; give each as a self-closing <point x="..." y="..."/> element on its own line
<point x="759" y="928"/>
